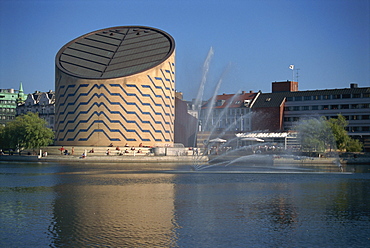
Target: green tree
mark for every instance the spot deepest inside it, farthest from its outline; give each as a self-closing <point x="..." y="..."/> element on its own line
<point x="27" y="131"/>
<point x="338" y="127"/>
<point x="314" y="134"/>
<point x="354" y="145"/>
<point x="342" y="139"/>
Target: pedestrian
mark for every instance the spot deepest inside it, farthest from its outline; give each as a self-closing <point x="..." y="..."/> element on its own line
<point x="108" y="152"/>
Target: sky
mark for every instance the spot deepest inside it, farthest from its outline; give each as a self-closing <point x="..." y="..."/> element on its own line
<point x="254" y="41"/>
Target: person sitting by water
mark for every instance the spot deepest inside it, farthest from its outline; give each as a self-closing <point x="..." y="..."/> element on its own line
<point x="126" y="151"/>
<point x="126" y="145"/>
<point x="91" y="151"/>
<point x="66" y="152"/>
<point x="132" y="148"/>
<point x="139" y="151"/>
<point x="61" y="150"/>
<point x="110" y="145"/>
<point x="141" y="145"/>
<point x="108" y="152"/>
<point x="117" y="148"/>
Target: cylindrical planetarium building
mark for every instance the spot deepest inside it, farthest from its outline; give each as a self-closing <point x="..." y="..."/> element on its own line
<point x="116" y="86"/>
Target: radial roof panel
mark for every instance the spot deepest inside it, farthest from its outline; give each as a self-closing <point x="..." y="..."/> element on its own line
<point x="115" y="52"/>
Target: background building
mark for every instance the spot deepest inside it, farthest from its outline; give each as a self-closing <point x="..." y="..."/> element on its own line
<point x="116" y="86"/>
<point x="42" y="103"/>
<point x="225" y="115"/>
<point x="185" y="123"/>
<point x="285" y="106"/>
<point x="9" y="99"/>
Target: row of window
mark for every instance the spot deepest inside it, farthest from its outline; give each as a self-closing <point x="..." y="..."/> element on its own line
<point x="7" y="117"/>
<point x="7" y="110"/>
<point x="358" y="129"/>
<point x="7" y="102"/>
<point x="230" y="112"/>
<point x="328" y="97"/>
<point x="347" y="117"/>
<point x="40" y="111"/>
<point x="327" y="107"/>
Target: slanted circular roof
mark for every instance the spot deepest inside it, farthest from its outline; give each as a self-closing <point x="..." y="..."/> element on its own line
<point x="115" y="52"/>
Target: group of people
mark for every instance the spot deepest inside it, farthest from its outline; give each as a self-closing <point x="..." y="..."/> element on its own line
<point x="64" y="151"/>
<point x="120" y="152"/>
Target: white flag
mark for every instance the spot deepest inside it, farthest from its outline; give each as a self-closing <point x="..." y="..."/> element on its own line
<point x="291" y="67"/>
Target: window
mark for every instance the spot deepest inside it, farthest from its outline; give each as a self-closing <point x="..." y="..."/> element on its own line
<point x="307" y="98"/>
<point x="366" y="95"/>
<point x="288" y="99"/>
<point x="325" y="107"/>
<point x="326" y="97"/>
<point x="296" y="108"/>
<point x="365" y="105"/>
<point x="298" y="98"/>
<point x="345" y="106"/>
<point x="356" y="96"/>
<point x="334" y="107"/>
<point x="354" y="117"/>
<point x="346" y="96"/>
<point x="355" y="106"/>
<point x="366" y="117"/>
<point x="315" y="107"/>
<point x="365" y="128"/>
<point x="353" y="129"/>
<point x="336" y="96"/>
<point x="306" y="108"/>
<point x="317" y="97"/>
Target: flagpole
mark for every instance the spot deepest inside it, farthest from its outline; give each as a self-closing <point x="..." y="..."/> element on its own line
<point x="292" y="68"/>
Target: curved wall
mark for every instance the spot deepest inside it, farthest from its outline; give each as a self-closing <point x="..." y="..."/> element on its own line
<point x="134" y="106"/>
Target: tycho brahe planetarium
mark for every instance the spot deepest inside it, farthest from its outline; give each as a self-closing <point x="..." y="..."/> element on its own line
<point x="116" y="86"/>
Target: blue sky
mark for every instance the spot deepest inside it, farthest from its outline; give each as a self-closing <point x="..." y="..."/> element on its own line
<point x="328" y="40"/>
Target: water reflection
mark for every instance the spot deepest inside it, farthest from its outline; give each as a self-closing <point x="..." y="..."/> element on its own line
<point x="116" y="210"/>
<point x="168" y="205"/>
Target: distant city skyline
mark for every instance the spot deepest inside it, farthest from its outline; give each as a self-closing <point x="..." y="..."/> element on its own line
<point x="257" y="41"/>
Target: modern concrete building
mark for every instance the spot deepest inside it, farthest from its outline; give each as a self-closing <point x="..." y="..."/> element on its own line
<point x="286" y="105"/>
<point x="9" y="99"/>
<point x="42" y="103"/>
<point x="116" y="86"/>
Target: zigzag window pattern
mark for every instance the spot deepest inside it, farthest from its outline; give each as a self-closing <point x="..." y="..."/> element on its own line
<point x="69" y="110"/>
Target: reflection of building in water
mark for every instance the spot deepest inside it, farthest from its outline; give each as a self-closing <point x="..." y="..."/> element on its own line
<point x="131" y="211"/>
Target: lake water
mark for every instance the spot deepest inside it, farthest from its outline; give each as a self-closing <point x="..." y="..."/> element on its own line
<point x="169" y="205"/>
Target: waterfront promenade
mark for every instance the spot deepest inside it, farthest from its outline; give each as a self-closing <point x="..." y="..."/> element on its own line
<point x="99" y="154"/>
<point x="163" y="154"/>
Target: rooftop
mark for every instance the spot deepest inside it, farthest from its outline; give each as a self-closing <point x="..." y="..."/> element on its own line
<point x="115" y="52"/>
